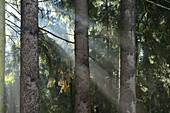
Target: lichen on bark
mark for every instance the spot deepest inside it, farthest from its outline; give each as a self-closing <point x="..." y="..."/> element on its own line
<point x="82" y="101"/>
<point x="29" y="80"/>
<point x="128" y="57"/>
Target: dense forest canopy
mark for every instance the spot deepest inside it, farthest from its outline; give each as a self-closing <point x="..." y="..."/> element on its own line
<point x="111" y="56"/>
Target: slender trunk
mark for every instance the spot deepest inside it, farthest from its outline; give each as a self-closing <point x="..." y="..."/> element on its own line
<point x="150" y="108"/>
<point x="118" y="80"/>
<point x="93" y="102"/>
<point x="110" y="74"/>
<point x="2" y="53"/>
<point x="110" y="93"/>
<point x="5" y="99"/>
<point x="117" y="90"/>
<point x="147" y="73"/>
<point x="82" y="84"/>
<point x="107" y="18"/>
<point x="139" y="105"/>
<point x="29" y="81"/>
<point x="128" y="53"/>
<point x="71" y="96"/>
<point x="71" y="91"/>
<point x="15" y="95"/>
<point x="11" y="100"/>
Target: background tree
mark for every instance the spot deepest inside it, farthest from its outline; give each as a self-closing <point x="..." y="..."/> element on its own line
<point x="82" y="83"/>
<point x="2" y="53"/>
<point x="128" y="53"/>
<point x="29" y="58"/>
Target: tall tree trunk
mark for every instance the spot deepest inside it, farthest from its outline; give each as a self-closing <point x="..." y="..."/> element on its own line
<point x="2" y="53"/>
<point x="128" y="53"/>
<point x="29" y="81"/>
<point x="82" y="85"/>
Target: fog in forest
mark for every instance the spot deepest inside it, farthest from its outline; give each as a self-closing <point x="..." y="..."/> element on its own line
<point x="57" y="56"/>
<point x="99" y="75"/>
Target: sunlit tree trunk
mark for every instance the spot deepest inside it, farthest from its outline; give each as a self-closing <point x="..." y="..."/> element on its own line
<point x="2" y="53"/>
<point x="29" y="81"/>
<point x="82" y="85"/>
<point x="128" y="53"/>
<point x="118" y="80"/>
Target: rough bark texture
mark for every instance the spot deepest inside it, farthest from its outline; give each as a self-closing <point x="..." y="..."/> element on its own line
<point x="128" y="53"/>
<point x="82" y="102"/>
<point x="29" y="81"/>
<point x="2" y="53"/>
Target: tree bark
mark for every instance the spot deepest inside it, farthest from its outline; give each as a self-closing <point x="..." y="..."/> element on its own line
<point x="82" y="85"/>
<point x="29" y="81"/>
<point x="2" y="53"/>
<point x="128" y="53"/>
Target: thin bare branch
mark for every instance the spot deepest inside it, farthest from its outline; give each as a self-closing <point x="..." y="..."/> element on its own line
<point x="158" y="5"/>
<point x="56" y="35"/>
